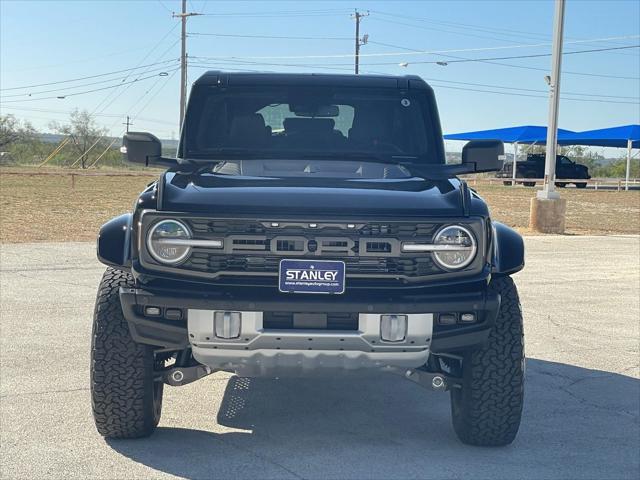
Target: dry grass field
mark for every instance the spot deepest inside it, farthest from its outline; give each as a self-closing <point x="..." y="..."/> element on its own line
<point x="39" y="208"/>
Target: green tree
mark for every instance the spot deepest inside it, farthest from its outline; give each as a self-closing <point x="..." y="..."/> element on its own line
<point x="85" y="134"/>
<point x="13" y="130"/>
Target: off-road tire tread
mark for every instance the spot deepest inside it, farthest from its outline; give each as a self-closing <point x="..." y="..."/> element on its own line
<point x="121" y="369"/>
<point x="488" y="408"/>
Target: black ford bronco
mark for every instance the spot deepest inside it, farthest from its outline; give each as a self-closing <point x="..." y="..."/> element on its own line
<point x="309" y="225"/>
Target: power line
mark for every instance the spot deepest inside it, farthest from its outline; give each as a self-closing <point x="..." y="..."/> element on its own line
<point x="428" y="52"/>
<point x="462" y="60"/>
<point x="543" y="91"/>
<point x="275" y="37"/>
<point x="464" y="25"/>
<point x="90" y="76"/>
<point x="112" y="100"/>
<point x="99" y="82"/>
<point x="436" y="29"/>
<point x="528" y="89"/>
<point x="148" y="54"/>
<point x="537" y="55"/>
<point x="137" y="115"/>
<point x="466" y="34"/>
<point x="448" y="81"/>
<point x="86" y="91"/>
<point x="225" y="61"/>
<point x="83" y="60"/>
<point x="511" y="65"/>
<point x="467" y="26"/>
<point x="533" y="96"/>
<point x="282" y="13"/>
<point x="68" y="112"/>
<point x="164" y="6"/>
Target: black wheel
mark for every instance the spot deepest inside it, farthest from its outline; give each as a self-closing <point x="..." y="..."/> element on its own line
<point x="486" y="411"/>
<point x="529" y="175"/>
<point x="506" y="184"/>
<point x="561" y="184"/>
<point x="126" y="400"/>
<point x="581" y="185"/>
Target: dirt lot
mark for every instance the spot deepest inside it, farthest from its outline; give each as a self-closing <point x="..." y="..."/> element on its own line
<point x="38" y="208"/>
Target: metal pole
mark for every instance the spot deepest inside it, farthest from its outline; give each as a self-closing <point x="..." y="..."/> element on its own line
<point x="626" y="185"/>
<point x="128" y="123"/>
<point x="548" y="189"/>
<point x="357" y="59"/>
<point x="359" y="41"/>
<point x="183" y="60"/>
<point x="515" y="161"/>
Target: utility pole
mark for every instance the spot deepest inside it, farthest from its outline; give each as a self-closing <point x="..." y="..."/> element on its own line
<point x="359" y="41"/>
<point x="547" y="208"/>
<point x="183" y="56"/>
<point x="128" y="123"/>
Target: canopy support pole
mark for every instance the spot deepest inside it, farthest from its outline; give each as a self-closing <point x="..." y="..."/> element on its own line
<point x="626" y="184"/>
<point x="547" y="208"/>
<point x="515" y="161"/>
<point x="548" y="189"/>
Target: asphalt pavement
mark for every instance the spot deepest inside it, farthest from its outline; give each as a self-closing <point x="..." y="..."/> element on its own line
<point x="581" y="300"/>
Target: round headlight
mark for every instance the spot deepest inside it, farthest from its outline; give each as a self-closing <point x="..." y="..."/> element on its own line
<point x="458" y="247"/>
<point x="166" y="242"/>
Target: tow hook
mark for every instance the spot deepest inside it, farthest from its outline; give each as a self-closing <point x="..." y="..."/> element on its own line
<point x="437" y="381"/>
<point x="183" y="375"/>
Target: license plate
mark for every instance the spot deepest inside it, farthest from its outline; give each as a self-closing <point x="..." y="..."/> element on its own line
<point x="311" y="276"/>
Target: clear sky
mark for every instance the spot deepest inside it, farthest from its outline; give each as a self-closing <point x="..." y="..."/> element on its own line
<point x="55" y="41"/>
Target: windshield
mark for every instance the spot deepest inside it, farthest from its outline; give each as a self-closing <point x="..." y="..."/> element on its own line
<point x="285" y="122"/>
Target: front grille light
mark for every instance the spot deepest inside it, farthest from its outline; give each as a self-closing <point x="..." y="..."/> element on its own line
<point x="170" y="242"/>
<point x="453" y="247"/>
<point x="166" y="242"/>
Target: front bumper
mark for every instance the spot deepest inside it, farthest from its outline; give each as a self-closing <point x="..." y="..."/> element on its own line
<point x="258" y="350"/>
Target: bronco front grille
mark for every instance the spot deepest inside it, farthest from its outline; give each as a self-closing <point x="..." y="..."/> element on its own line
<point x="255" y="247"/>
<point x="234" y="264"/>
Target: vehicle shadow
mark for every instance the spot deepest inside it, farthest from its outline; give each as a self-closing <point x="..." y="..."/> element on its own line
<point x="578" y="423"/>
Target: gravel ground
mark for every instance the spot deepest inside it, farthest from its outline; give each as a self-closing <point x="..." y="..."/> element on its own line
<point x="581" y="298"/>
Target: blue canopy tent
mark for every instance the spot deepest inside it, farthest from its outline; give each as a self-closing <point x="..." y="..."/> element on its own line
<point x="625" y="136"/>
<point x="524" y="134"/>
<point x="619" y="137"/>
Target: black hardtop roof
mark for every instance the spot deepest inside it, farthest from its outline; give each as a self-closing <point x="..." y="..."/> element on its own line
<point x="215" y="77"/>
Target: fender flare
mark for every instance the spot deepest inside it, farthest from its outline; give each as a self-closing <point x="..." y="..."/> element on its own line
<point x="508" y="250"/>
<point x="114" y="242"/>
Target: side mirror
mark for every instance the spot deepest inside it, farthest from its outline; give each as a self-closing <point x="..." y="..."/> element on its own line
<point x="483" y="156"/>
<point x="144" y="148"/>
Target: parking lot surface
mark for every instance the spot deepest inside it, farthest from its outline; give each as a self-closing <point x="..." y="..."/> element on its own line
<point x="581" y="299"/>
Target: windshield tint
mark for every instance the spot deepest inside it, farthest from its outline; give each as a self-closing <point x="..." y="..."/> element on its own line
<point x="282" y="121"/>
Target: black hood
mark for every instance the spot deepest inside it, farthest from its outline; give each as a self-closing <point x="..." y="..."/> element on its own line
<point x="213" y="193"/>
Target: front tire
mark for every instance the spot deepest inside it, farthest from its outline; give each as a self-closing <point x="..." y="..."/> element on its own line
<point x="126" y="400"/>
<point x="487" y="410"/>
